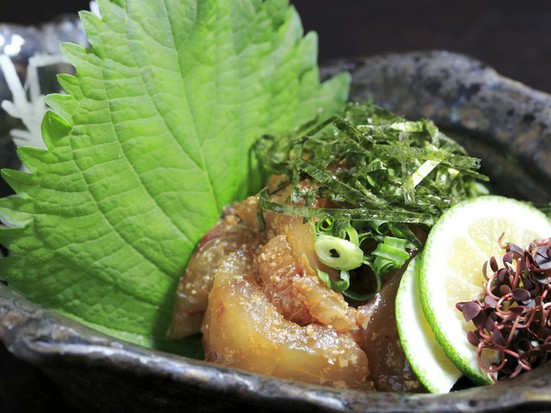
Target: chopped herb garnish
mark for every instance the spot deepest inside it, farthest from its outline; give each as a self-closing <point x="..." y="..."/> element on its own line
<point x="339" y="285"/>
<point x="514" y="314"/>
<point x="380" y="174"/>
<point x="390" y="255"/>
<point x="338" y="253"/>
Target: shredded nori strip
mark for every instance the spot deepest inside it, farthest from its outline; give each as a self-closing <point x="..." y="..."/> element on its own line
<point x="352" y="214"/>
<point x="379" y="173"/>
<point x="364" y="159"/>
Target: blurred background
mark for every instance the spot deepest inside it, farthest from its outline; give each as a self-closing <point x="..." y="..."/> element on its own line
<point x="511" y="36"/>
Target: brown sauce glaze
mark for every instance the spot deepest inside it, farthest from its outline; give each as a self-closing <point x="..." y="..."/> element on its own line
<point x="388" y="365"/>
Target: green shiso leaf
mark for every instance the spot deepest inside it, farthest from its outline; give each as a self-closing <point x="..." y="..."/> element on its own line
<point x="150" y="141"/>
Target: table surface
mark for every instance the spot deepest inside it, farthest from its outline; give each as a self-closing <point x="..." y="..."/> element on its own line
<point x="511" y="36"/>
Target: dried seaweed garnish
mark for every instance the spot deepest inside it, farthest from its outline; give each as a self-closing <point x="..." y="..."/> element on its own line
<point x="514" y="314"/>
<point x="371" y="159"/>
<point x="379" y="173"/>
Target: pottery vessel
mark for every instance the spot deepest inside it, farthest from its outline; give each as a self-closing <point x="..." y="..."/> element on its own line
<point x="505" y="123"/>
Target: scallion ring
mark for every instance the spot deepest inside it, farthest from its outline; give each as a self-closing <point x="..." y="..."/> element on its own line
<point x="339" y="285"/>
<point x="338" y="253"/>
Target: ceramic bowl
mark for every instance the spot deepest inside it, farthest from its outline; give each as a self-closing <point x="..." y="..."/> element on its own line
<point x="502" y="121"/>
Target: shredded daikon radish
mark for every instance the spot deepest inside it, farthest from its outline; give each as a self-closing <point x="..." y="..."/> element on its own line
<point x="94" y="8"/>
<point x="28" y="100"/>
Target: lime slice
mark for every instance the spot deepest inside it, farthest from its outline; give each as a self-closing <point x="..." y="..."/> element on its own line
<point x="425" y="355"/>
<point x="460" y="242"/>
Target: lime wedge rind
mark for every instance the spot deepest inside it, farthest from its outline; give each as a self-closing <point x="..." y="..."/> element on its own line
<point x="451" y="335"/>
<point x="425" y="355"/>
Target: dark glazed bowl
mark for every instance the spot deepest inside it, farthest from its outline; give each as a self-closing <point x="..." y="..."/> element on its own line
<point x="497" y="119"/>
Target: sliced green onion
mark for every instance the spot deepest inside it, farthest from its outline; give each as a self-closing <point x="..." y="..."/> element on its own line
<point x="389" y="255"/>
<point x="324" y="226"/>
<point x="341" y="285"/>
<point x="338" y="253"/>
<point x="353" y="236"/>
